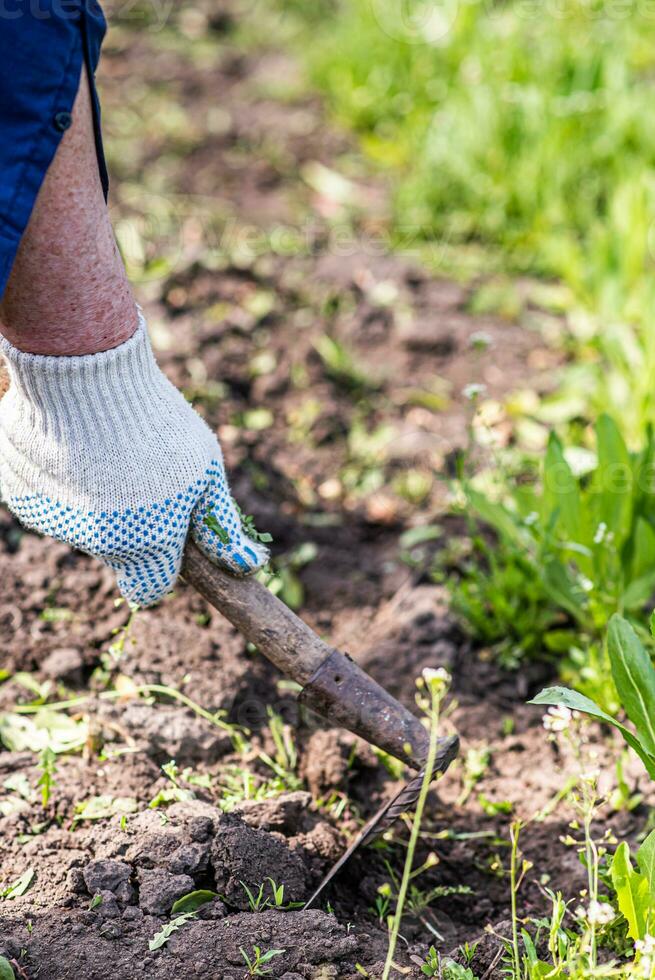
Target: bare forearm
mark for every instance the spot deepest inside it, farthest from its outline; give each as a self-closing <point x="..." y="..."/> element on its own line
<point x="68" y="292"/>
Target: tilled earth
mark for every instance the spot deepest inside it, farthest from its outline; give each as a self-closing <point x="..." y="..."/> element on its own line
<point x="332" y="371"/>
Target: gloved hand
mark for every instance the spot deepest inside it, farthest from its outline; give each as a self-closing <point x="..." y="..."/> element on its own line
<point x="103" y="452"/>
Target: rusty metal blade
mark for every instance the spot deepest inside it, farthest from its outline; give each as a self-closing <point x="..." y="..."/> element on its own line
<point x="403" y="802"/>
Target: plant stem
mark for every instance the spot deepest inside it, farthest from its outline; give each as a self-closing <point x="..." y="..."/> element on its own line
<point x="413" y="837"/>
<point x="147" y="689"/>
<point x="514" y="833"/>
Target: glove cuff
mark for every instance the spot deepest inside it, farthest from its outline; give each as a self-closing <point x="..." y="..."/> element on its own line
<point x="61" y="387"/>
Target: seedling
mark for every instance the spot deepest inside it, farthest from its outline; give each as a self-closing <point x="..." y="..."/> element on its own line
<point x="48" y="766"/>
<point x="285" y="761"/>
<point x="431" y="967"/>
<point x="20" y="886"/>
<point x="259" y="901"/>
<point x="192" y="901"/>
<point x="476" y="763"/>
<point x="255" y="962"/>
<point x="382" y="903"/>
<point x="161" y="938"/>
<point x="339" y="365"/>
<point x="173" y="793"/>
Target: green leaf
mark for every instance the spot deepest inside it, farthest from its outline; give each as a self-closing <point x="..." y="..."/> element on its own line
<point x="639" y="591"/>
<point x="632" y="892"/>
<point x="578" y="702"/>
<point x="6" y="972"/>
<point x="20" y="886"/>
<point x="103" y="807"/>
<point x="561" y="493"/>
<point x="265" y="957"/>
<point x="192" y="901"/>
<point x="497" y="516"/>
<point x="562" y="590"/>
<point x="643" y="560"/>
<point x="161" y="938"/>
<point x="212" y="523"/>
<point x="613" y="479"/>
<point x="646" y="861"/>
<point x="46" y="729"/>
<point x="634" y="676"/>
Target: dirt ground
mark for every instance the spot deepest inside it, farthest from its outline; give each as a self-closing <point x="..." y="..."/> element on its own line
<point x="268" y="255"/>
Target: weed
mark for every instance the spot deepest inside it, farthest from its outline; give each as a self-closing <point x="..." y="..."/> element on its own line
<point x="259" y="901"/>
<point x="48" y="767"/>
<point x="476" y="763"/>
<point x="173" y="793"/>
<point x="20" y="886"/>
<point x="255" y="962"/>
<point x="382" y="903"/>
<point x="192" y="901"/>
<point x="634" y="677"/>
<point x="572" y="550"/>
<point x="103" y="807"/>
<point x="282" y="578"/>
<point x="432" y="687"/>
<point x="161" y="938"/>
<point x="339" y="365"/>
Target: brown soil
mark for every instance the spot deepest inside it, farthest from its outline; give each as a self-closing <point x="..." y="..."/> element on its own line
<point x="238" y="333"/>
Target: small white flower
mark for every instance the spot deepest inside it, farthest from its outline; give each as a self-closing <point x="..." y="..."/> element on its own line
<point x="600" y="913"/>
<point x="585" y="583"/>
<point x="473" y="391"/>
<point x="436" y="679"/>
<point x="601" y="531"/>
<point x="557" y="719"/>
<point x="531" y="519"/>
<point x="646" y="949"/>
<point x="590" y="776"/>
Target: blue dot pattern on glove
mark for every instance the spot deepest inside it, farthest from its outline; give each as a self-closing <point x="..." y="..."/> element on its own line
<point x="144" y="545"/>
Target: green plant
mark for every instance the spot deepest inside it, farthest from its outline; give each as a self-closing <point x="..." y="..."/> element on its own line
<point x="48" y="767"/>
<point x="161" y="938"/>
<point x="339" y="365"/>
<point x="432" y="965"/>
<point x="451" y="970"/>
<point x="382" y="903"/>
<point x="573" y="548"/>
<point x="173" y="793"/>
<point x="255" y="962"/>
<point x="275" y="899"/>
<point x="476" y="763"/>
<point x="20" y="886"/>
<point x="634" y="677"/>
<point x="284" y="763"/>
<point x="635" y="890"/>
<point x="433" y="685"/>
<point x="493" y="124"/>
<point x="192" y="901"/>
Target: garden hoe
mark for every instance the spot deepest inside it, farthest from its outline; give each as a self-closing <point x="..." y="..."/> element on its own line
<point x="332" y="684"/>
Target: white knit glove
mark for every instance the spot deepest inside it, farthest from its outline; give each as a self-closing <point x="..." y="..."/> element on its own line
<point x="103" y="452"/>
